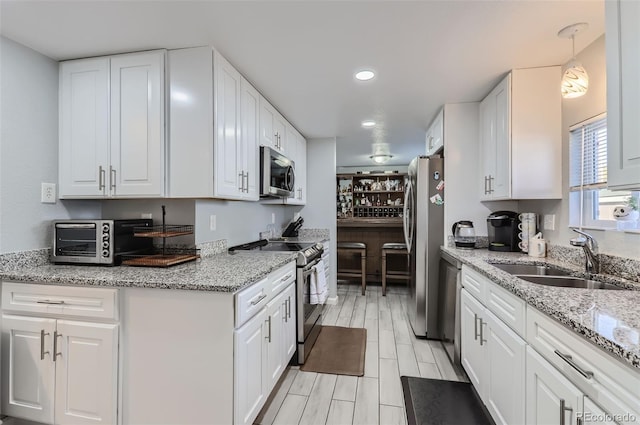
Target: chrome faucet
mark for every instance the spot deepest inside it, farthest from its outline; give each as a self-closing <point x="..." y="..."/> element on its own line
<point x="590" y="247"/>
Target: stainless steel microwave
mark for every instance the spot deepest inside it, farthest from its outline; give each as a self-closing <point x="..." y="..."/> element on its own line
<point x="277" y="174"/>
<point x="101" y="242"/>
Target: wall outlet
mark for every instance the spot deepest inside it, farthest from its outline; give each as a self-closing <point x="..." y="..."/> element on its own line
<point x="48" y="193"/>
<point x="146" y="215"/>
<point x="212" y="222"/>
<point x="549" y="222"/>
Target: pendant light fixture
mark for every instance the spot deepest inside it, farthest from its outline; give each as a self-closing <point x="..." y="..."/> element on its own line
<point x="575" y="80"/>
<point x="381" y="153"/>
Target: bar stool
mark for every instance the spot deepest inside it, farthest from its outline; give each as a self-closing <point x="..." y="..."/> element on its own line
<point x="355" y="248"/>
<point x="391" y="248"/>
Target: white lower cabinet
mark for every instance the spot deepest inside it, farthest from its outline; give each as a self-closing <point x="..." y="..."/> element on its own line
<point x="264" y="345"/>
<point x="56" y="370"/>
<point x="493" y="356"/>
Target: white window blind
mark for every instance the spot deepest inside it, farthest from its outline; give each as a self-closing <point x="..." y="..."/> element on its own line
<point x="588" y="154"/>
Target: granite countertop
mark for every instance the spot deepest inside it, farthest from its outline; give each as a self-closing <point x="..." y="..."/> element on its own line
<point x="220" y="273"/>
<point x="609" y="319"/>
<point x="309" y="235"/>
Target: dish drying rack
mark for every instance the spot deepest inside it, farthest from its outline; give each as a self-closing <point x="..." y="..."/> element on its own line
<point x="167" y="256"/>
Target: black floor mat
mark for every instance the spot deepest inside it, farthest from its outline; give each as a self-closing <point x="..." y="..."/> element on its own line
<point x="438" y="402"/>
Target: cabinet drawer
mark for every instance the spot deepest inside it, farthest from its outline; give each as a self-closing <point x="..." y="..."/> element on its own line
<point x="473" y="282"/>
<point x="281" y="278"/>
<point x="601" y="377"/>
<point x="506" y="306"/>
<point x="68" y="301"/>
<point x="251" y="300"/>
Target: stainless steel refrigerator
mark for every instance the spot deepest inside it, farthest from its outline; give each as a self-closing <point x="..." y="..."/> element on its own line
<point x="423" y="231"/>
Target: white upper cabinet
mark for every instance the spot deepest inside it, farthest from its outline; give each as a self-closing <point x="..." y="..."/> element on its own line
<point x="272" y="126"/>
<point x="213" y="132"/>
<point x="435" y="134"/>
<point x="520" y="126"/>
<point x="112" y="118"/>
<point x="623" y="93"/>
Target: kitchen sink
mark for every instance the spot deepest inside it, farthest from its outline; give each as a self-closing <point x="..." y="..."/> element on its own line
<point x="568" y="282"/>
<point x="531" y="269"/>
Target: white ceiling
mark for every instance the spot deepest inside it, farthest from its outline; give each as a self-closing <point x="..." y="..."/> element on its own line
<point x="302" y="54"/>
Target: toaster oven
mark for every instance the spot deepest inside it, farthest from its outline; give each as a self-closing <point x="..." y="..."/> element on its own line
<point x="101" y="242"/>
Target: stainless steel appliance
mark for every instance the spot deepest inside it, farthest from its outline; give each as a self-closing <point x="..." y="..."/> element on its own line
<point x="277" y="174"/>
<point x="101" y="242"/>
<point x="449" y="312"/>
<point x="308" y="316"/>
<point x="423" y="229"/>
<point x="502" y="228"/>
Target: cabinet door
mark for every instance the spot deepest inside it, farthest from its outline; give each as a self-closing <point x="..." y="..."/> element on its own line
<point x="505" y="389"/>
<point x="137" y="125"/>
<point x="250" y="102"/>
<point x="250" y="379"/>
<point x="473" y="353"/>
<point x="435" y="134"/>
<point x="501" y="181"/>
<point x="84" y="127"/>
<point x="280" y="130"/>
<point x="86" y="373"/>
<point x="275" y="321"/>
<point x="487" y="144"/>
<point x="289" y="335"/>
<point x="267" y="119"/>
<point x="301" y="170"/>
<point x="623" y="93"/>
<point x="27" y="368"/>
<point x="228" y="175"/>
<point x="550" y="397"/>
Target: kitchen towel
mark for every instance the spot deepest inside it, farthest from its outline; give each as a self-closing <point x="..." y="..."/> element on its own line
<point x="318" y="291"/>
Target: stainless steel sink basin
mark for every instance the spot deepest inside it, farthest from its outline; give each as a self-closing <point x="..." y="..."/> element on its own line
<point x="568" y="282"/>
<point x="531" y="269"/>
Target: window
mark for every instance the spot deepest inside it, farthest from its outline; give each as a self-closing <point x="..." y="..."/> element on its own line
<point x="591" y="204"/>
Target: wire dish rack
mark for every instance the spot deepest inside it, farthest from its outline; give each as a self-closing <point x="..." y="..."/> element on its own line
<point x="164" y="256"/>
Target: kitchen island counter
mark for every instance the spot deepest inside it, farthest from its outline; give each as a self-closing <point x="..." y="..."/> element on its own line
<point x="609" y="319"/>
<point x="218" y="273"/>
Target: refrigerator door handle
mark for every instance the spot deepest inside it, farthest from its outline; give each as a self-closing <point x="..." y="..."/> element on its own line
<point x="408" y="208"/>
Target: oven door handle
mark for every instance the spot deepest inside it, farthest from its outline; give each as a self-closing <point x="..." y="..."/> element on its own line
<point x="310" y="268"/>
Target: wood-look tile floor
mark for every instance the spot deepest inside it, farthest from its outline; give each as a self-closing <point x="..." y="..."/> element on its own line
<point x="375" y="398"/>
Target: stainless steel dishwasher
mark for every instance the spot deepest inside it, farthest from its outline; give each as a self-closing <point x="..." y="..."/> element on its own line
<point x="449" y="293"/>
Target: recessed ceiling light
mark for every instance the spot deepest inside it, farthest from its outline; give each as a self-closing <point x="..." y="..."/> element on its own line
<point x="365" y="75"/>
<point x="368" y="123"/>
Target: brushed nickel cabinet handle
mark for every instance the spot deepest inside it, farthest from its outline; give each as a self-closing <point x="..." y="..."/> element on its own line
<point x="567" y="358"/>
<point x="241" y="188"/>
<point x="486" y="190"/>
<point x="246" y="186"/>
<point x="482" y="340"/>
<point x="50" y="302"/>
<point x="258" y="299"/>
<point x="100" y="178"/>
<point x="55" y="345"/>
<point x="475" y="327"/>
<point x="563" y="409"/>
<point x="42" y="352"/>
<point x="112" y="178"/>
<point x="268" y="337"/>
<point x="289" y="306"/>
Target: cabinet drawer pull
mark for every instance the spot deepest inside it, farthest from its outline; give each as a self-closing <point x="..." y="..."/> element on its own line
<point x="563" y="409"/>
<point x="287" y="277"/>
<point x="567" y="358"/>
<point x="258" y="299"/>
<point x="50" y="302"/>
<point x="100" y="178"/>
<point x="55" y="345"/>
<point x="42" y="352"/>
<point x="268" y="337"/>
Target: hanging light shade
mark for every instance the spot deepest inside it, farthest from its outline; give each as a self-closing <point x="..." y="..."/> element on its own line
<point x="381" y="153"/>
<point x="575" y="80"/>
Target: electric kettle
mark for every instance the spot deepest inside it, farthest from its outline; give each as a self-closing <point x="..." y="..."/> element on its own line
<point x="464" y="235"/>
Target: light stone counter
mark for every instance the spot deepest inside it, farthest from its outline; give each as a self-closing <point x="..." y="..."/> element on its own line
<point x="609" y="319"/>
<point x="221" y="273"/>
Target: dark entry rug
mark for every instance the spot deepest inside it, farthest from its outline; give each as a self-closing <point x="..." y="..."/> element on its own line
<point x="437" y="402"/>
<point x="339" y="351"/>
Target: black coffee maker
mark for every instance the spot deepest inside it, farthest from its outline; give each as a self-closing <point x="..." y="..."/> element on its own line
<point x="502" y="228"/>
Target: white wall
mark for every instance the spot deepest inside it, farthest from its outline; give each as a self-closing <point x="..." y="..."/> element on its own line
<point x="320" y="211"/>
<point x="29" y="149"/>
<point x="462" y="170"/>
<point x="592" y="103"/>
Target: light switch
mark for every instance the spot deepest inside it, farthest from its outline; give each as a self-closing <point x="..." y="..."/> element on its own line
<point x="212" y="222"/>
<point x="549" y="222"/>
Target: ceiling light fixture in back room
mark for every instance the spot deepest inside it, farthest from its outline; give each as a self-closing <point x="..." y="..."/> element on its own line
<point x="575" y="80"/>
<point x="381" y="154"/>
